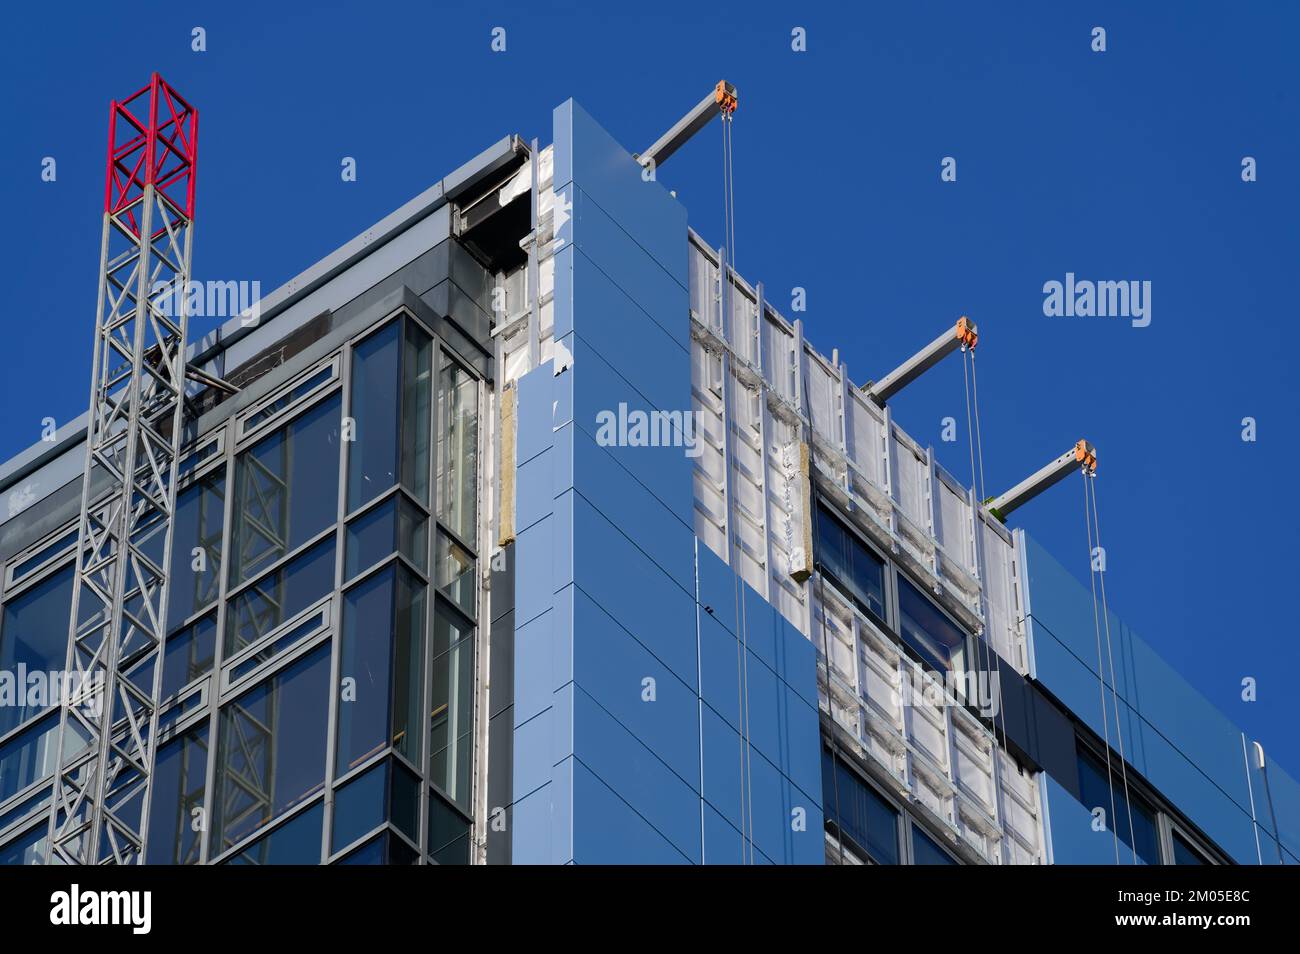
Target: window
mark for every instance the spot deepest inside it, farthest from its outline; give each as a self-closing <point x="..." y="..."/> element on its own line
<point x="859" y="813"/>
<point x="187" y="656"/>
<point x="389" y="792"/>
<point x="180" y="772"/>
<point x="286" y="490"/>
<point x="194" y="579"/>
<point x="1095" y="791"/>
<point x="925" y="851"/>
<point x="296" y="842"/>
<point x="382" y="652"/>
<point x="376" y="380"/>
<point x="27" y="849"/>
<point x="28" y="757"/>
<point x="279" y="596"/>
<point x="1184" y="852"/>
<point x="394" y="525"/>
<point x="926" y="629"/>
<point x="417" y="407"/>
<point x="34" y="635"/>
<point x="855" y="568"/>
<point x="458" y="451"/>
<point x="452" y="701"/>
<point x="385" y="849"/>
<point x="271" y="754"/>
<point x="448" y="833"/>
<point x="454" y="573"/>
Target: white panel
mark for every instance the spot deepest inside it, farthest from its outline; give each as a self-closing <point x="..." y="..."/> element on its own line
<point x="864" y="427"/>
<point x="822" y="388"/>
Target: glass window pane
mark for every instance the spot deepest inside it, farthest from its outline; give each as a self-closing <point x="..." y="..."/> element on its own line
<point x="200" y="509"/>
<point x="862" y="815"/>
<point x="28" y="757"/>
<point x="446" y="828"/>
<point x="27" y="849"/>
<point x="454" y="573"/>
<point x="1185" y="854"/>
<point x="927" y="630"/>
<point x="1095" y="792"/>
<point x="926" y="852"/>
<point x="359" y="806"/>
<point x="188" y="654"/>
<point x="383" y="620"/>
<point x="458" y="450"/>
<point x="452" y="701"/>
<point x="858" y="571"/>
<point x="371" y="853"/>
<point x="286" y="489"/>
<point x="34" y="635"/>
<point x="294" y="843"/>
<point x="177" y="796"/>
<point x="417" y="405"/>
<point x="372" y="454"/>
<point x="395" y="524"/>
<point x="271" y="755"/>
<point x="279" y="596"/>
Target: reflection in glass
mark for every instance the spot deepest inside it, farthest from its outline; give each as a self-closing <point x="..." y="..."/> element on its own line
<point x="454" y="573"/>
<point x="372" y="453"/>
<point x="861" y="815"/>
<point x="178" y="789"/>
<point x="34" y="634"/>
<point x="188" y="655"/>
<point x="271" y="754"/>
<point x="286" y="490"/>
<point x="383" y="624"/>
<point x="279" y="596"/>
<point x="1095" y="791"/>
<point x="417" y="400"/>
<point x="448" y="833"/>
<point x="452" y="701"/>
<point x="458" y="450"/>
<point x="296" y="842"/>
<point x="858" y="571"/>
<point x="195" y="577"/>
<point x="927" y="630"/>
<point x="394" y="525"/>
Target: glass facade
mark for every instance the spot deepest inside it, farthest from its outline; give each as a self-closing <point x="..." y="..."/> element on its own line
<point x="318" y="679"/>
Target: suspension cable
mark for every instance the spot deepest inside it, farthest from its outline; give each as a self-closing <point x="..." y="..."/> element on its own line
<point x="1091" y="483"/>
<point x="1101" y="679"/>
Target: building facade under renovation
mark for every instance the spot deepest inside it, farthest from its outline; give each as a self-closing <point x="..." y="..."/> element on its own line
<point x="522" y="529"/>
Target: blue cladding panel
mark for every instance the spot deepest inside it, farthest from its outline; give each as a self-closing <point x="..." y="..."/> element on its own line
<point x="639" y="777"/>
<point x="608" y="831"/>
<point x="606" y="577"/>
<point x="1172" y="735"/>
<point x="589" y="156"/>
<point x="610" y="666"/>
<point x="635" y="591"/>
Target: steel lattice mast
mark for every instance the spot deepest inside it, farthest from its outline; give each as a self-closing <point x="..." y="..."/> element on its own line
<point x="107" y="732"/>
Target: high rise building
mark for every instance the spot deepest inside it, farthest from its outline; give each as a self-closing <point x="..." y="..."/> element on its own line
<point x="522" y="529"/>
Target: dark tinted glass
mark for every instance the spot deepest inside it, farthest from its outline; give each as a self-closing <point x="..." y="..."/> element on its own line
<point x="294" y="843"/>
<point x="286" y="489"/>
<point x="926" y="852"/>
<point x="852" y="565"/>
<point x="178" y="790"/>
<point x="1095" y="792"/>
<point x="195" y="578"/>
<point x="927" y="630"/>
<point x="272" y="751"/>
<point x="279" y="596"/>
<point x="1185" y="854"/>
<point x="861" y="814"/>
<point x="376" y="380"/>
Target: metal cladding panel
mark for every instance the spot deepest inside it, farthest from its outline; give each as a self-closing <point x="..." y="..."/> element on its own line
<point x="1171" y="734"/>
<point x="865" y="429"/>
<point x="608" y="691"/>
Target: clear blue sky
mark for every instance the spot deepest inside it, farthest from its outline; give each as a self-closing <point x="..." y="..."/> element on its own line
<point x="1120" y="165"/>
